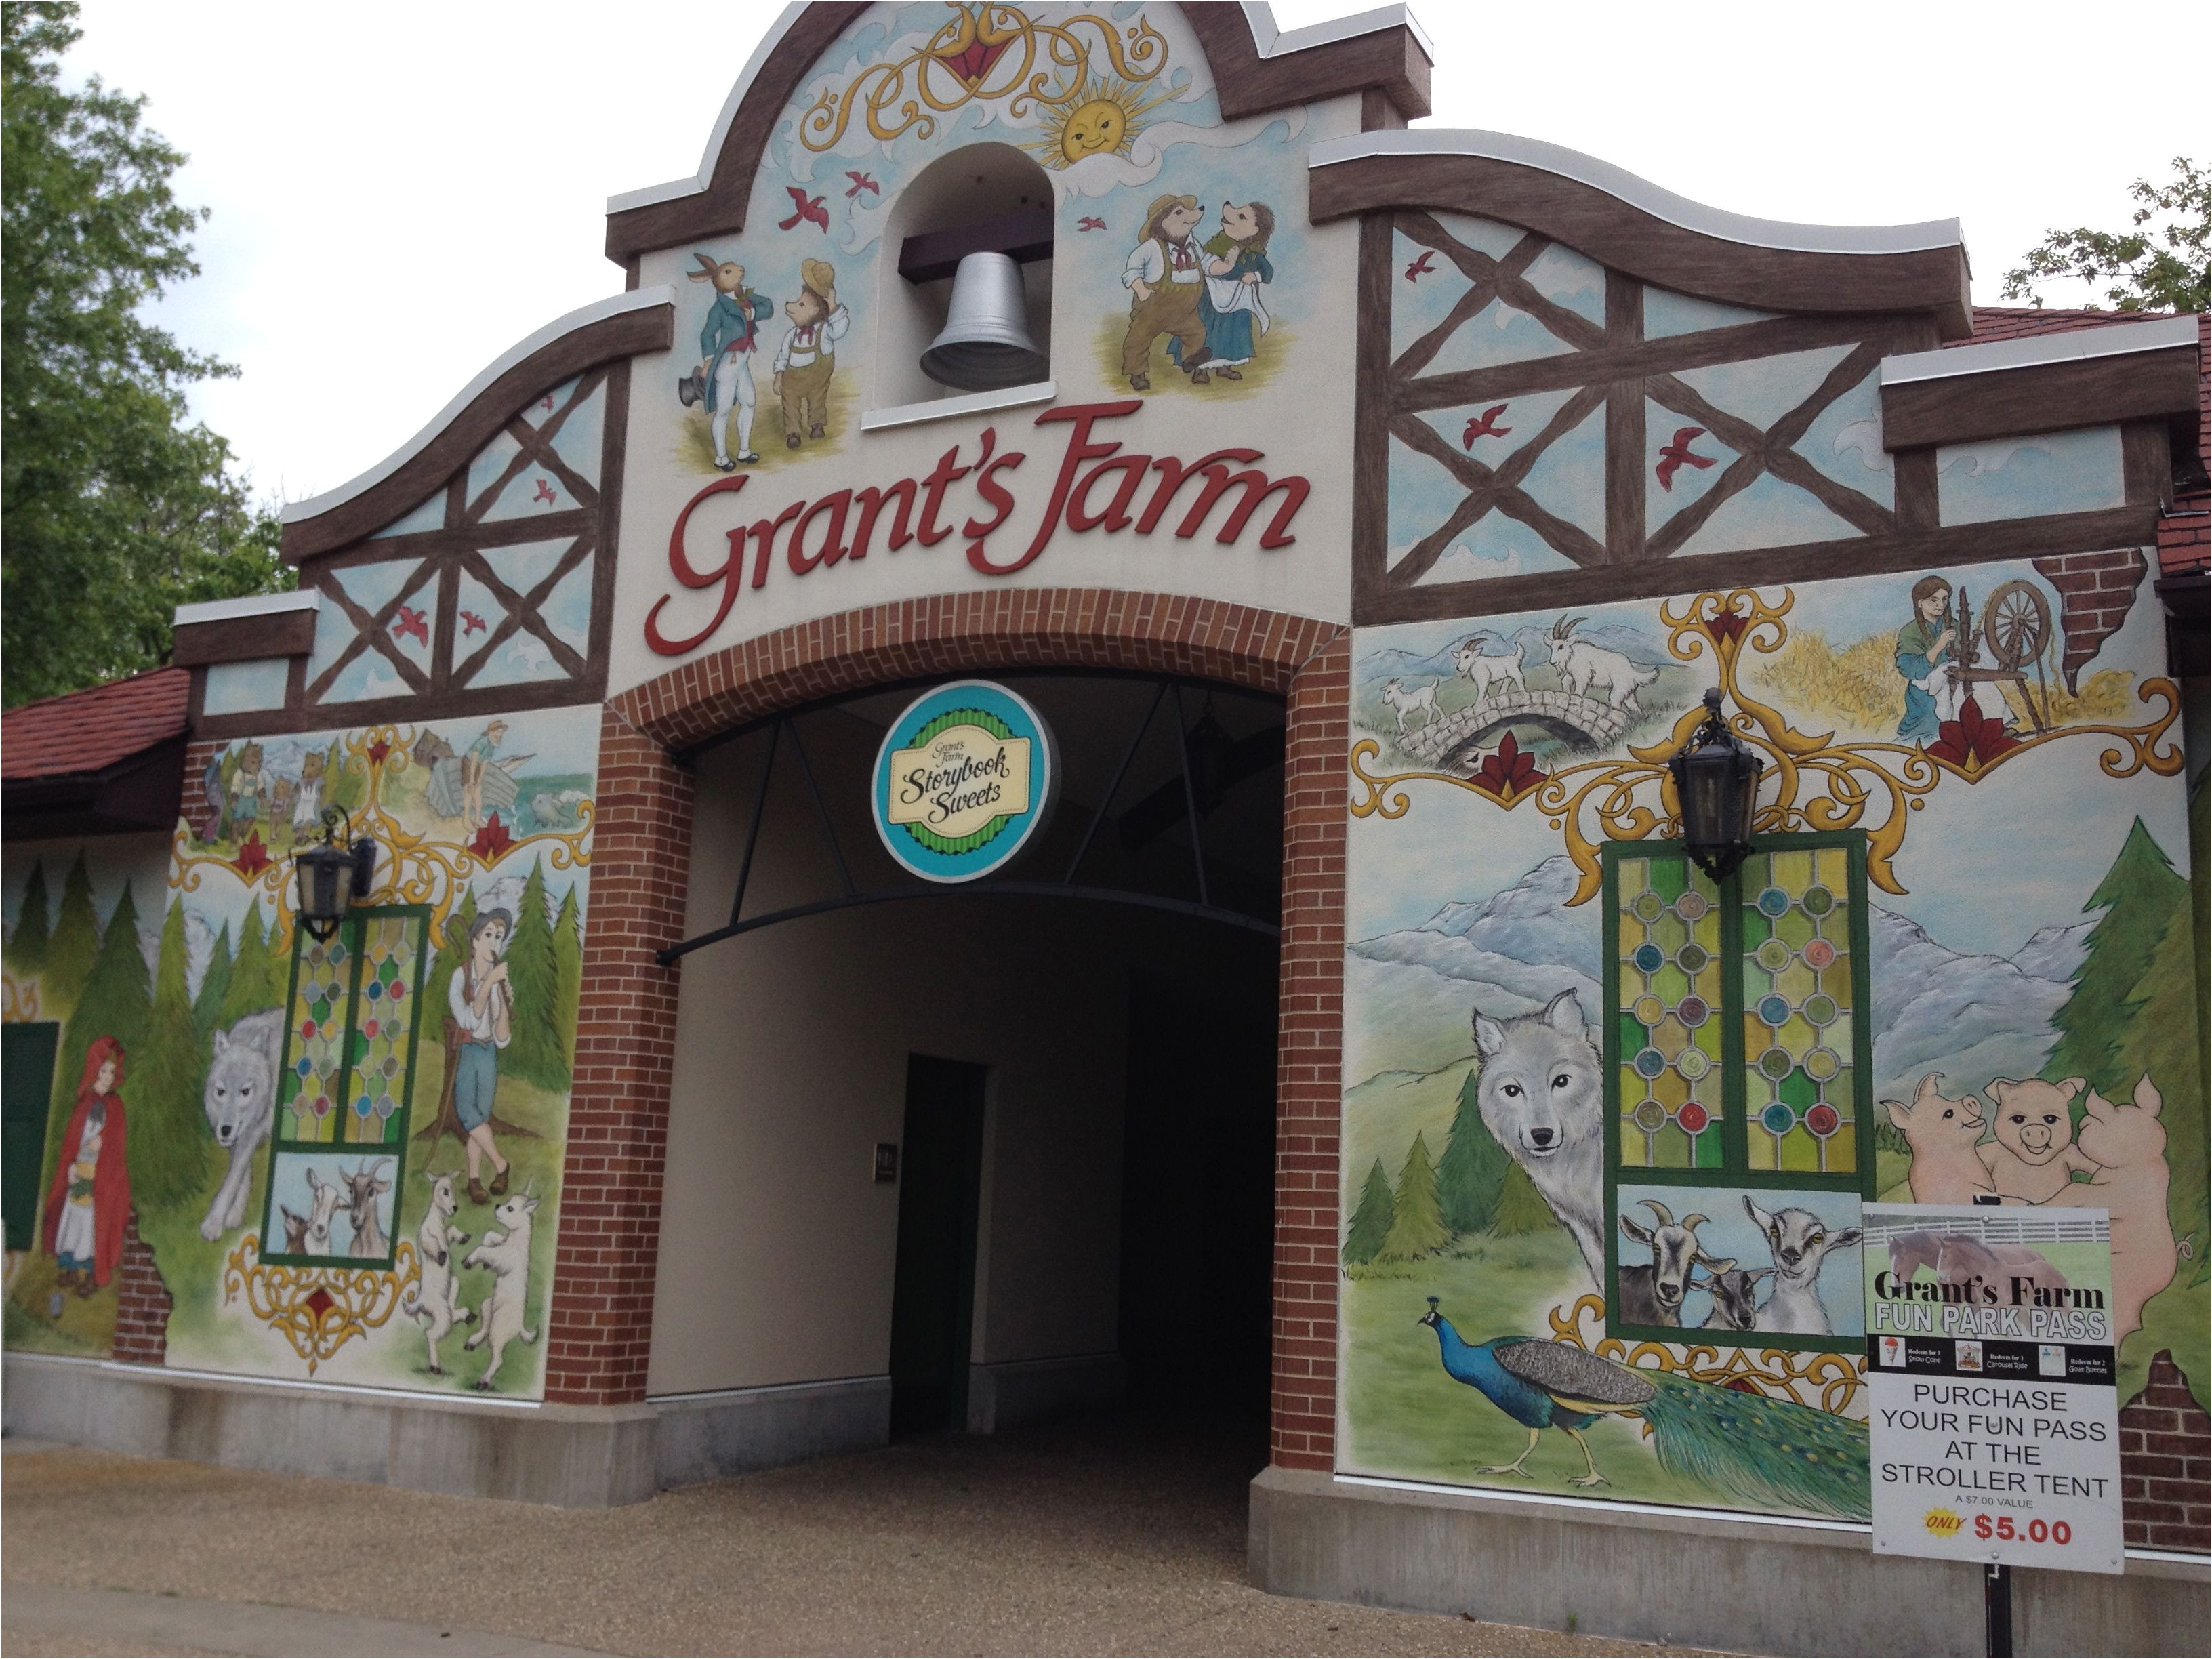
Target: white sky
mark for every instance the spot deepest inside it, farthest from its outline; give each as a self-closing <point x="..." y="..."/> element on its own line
<point x="402" y="190"/>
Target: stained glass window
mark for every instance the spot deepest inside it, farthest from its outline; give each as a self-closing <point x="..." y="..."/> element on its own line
<point x="1737" y="1052"/>
<point x="347" y="1073"/>
<point x="1668" y="1008"/>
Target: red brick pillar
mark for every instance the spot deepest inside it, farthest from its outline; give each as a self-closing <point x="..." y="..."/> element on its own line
<point x="1310" y="1085"/>
<point x="603" y="1270"/>
<point x="2166" y="1464"/>
<point x="141" y="1303"/>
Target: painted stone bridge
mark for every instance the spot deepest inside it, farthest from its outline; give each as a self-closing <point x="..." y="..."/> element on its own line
<point x="1454" y="737"/>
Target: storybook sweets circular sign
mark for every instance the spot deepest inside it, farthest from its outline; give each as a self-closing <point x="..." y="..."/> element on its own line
<point x="964" y="778"/>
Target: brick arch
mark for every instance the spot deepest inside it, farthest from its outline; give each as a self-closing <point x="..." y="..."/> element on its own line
<point x="601" y="1319"/>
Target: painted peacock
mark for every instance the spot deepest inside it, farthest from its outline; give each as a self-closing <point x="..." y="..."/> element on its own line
<point x="1746" y="1445"/>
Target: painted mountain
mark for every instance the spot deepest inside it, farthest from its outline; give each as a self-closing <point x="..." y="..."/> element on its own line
<point x="1972" y="1016"/>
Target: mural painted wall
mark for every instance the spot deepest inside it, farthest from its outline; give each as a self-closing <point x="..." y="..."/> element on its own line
<point x="1184" y="305"/>
<point x="1596" y="1103"/>
<point x="85" y="931"/>
<point x="345" y="1153"/>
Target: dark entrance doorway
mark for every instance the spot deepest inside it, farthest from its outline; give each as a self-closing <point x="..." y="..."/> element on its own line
<point x="934" y="1286"/>
<point x="27" y="1084"/>
<point x="1199" y="1198"/>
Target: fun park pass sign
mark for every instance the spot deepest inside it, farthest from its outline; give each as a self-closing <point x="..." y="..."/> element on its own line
<point x="963" y="779"/>
<point x="1993" y="1408"/>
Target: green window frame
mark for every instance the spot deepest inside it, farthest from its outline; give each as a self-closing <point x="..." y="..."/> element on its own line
<point x="1739" y="1045"/>
<point x="346" y="1079"/>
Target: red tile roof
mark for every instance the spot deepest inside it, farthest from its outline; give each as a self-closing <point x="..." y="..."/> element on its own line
<point x="2185" y="535"/>
<point x="92" y="730"/>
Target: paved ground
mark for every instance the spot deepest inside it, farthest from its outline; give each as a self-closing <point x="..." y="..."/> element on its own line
<point x="1108" y="1537"/>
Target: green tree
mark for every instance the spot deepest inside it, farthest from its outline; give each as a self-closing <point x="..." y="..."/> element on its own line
<point x="1520" y="1207"/>
<point x="2138" y="894"/>
<point x="27" y="946"/>
<point x="1473" y="1169"/>
<point x="259" y="978"/>
<point x="214" y="985"/>
<point x="2163" y="1039"/>
<point x="1417" y="1224"/>
<point x="75" y="945"/>
<point x="2160" y="267"/>
<point x="118" y="995"/>
<point x="536" y="1052"/>
<point x="169" y="1146"/>
<point x="116" y="510"/>
<point x="1371" y="1221"/>
<point x="567" y="973"/>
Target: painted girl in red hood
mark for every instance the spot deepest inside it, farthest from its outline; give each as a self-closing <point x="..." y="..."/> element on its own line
<point x="90" y="1200"/>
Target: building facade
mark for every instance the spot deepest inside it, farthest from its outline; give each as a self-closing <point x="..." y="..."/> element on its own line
<point x="1388" y="504"/>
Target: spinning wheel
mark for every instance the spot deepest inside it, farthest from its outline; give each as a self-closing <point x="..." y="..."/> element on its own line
<point x="2015" y="629"/>
<point x="2016" y="624"/>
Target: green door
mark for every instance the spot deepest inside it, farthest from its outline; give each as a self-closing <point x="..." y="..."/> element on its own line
<point x="934" y="1289"/>
<point x="26" y="1086"/>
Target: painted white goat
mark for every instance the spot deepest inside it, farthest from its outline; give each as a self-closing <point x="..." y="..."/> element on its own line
<point x="327" y="1197"/>
<point x="1422" y="697"/>
<point x="361" y="1188"/>
<point x="1582" y="665"/>
<point x="1482" y="669"/>
<point x="1651" y="1293"/>
<point x="1799" y="1241"/>
<point x="505" y="1250"/>
<point x="434" y="1299"/>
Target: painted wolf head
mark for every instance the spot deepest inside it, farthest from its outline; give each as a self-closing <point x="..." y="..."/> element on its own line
<point x="1542" y="1090"/>
<point x="241" y="1083"/>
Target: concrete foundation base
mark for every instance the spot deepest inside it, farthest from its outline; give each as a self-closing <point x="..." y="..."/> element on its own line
<point x="1013" y="1394"/>
<point x="707" y="1436"/>
<point x="1696" y="1579"/>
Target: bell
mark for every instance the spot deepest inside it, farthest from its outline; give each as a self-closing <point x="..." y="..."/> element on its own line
<point x="985" y="343"/>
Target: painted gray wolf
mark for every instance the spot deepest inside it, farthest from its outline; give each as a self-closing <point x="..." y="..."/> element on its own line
<point x="241" y="1101"/>
<point x="1541" y="1094"/>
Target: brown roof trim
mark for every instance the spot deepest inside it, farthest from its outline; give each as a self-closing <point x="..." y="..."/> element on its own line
<point x="142" y="790"/>
<point x="627" y="333"/>
<point x="245" y="639"/>
<point x="1624" y="237"/>
<point x="2012" y="403"/>
<point x="1391" y="60"/>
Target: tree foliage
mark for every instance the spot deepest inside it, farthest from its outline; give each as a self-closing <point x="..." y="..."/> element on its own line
<point x="75" y="943"/>
<point x="170" y="1150"/>
<point x="2151" y="267"/>
<point x="1417" y="1224"/>
<point x="2138" y="894"/>
<point x="214" y="985"/>
<point x="259" y="978"/>
<point x="1473" y="1169"/>
<point x="1371" y="1221"/>
<point x="535" y="1051"/>
<point x="117" y="509"/>
<point x="26" y="945"/>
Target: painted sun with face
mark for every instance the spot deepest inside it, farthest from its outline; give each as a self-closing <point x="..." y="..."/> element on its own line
<point x="1097" y="118"/>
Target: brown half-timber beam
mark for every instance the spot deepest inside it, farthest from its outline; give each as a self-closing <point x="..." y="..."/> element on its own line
<point x="1388" y="61"/>
<point x="2012" y="403"/>
<point x="629" y="334"/>
<point x="1624" y="237"/>
<point x="245" y="639"/>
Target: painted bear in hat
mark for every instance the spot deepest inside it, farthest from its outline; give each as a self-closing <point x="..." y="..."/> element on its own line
<point x="806" y="360"/>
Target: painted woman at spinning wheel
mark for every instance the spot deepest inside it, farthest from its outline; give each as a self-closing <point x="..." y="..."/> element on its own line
<point x="1927" y="656"/>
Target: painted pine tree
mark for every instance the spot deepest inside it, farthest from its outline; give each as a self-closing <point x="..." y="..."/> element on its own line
<point x="75" y="945"/>
<point x="118" y="996"/>
<point x="1371" y="1221"/>
<point x="2139" y="895"/>
<point x="1473" y="1168"/>
<point x="2162" y="1038"/>
<point x="567" y="974"/>
<point x="260" y="977"/>
<point x="169" y="1145"/>
<point x="27" y="944"/>
<point x="1520" y="1207"/>
<point x="536" y="1052"/>
<point x="214" y="985"/>
<point x="1417" y="1222"/>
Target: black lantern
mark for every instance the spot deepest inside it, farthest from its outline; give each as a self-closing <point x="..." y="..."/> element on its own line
<point x="1717" y="785"/>
<point x="332" y="875"/>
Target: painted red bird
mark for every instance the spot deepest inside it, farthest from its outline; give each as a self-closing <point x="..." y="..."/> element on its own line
<point x="806" y="207"/>
<point x="861" y="181"/>
<point x="549" y="403"/>
<point x="1087" y="223"/>
<point x="544" y="492"/>
<point x="1422" y="266"/>
<point x="1485" y="425"/>
<point x="407" y="620"/>
<point x="1672" y="457"/>
<point x="470" y="624"/>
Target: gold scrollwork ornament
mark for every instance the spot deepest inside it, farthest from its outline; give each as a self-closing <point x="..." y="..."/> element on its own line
<point x="318" y="1310"/>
